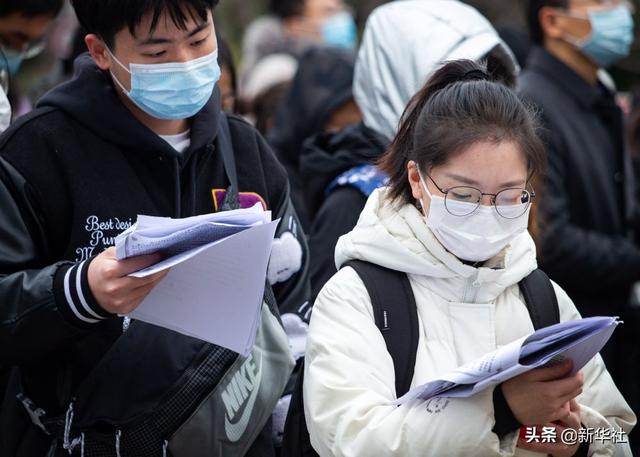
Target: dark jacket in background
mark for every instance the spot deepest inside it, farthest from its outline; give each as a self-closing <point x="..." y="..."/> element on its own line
<point x="587" y="201"/>
<point x="322" y="84"/>
<point x="73" y="174"/>
<point x="588" y="208"/>
<point x="335" y="213"/>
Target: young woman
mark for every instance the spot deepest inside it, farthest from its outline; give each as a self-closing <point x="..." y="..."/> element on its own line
<point x="454" y="218"/>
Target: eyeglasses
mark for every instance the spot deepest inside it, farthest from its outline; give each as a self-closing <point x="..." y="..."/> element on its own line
<point x="465" y="200"/>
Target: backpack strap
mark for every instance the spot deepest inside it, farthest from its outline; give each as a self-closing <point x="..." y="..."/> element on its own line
<point x="540" y="298"/>
<point x="396" y="316"/>
<point x="225" y="148"/>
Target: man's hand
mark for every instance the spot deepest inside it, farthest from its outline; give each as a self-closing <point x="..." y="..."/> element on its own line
<point x="558" y="448"/>
<point x="542" y="395"/>
<point x="114" y="291"/>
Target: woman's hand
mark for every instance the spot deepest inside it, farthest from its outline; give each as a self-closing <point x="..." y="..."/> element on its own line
<point x="543" y="395"/>
<point x="559" y="448"/>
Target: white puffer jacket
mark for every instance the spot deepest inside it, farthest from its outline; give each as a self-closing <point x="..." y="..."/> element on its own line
<point x="464" y="312"/>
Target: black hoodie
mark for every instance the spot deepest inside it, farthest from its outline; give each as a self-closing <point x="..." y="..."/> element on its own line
<point x="334" y="213"/>
<point x="73" y="174"/>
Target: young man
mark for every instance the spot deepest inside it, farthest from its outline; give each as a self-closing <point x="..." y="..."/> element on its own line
<point x="587" y="207"/>
<point x="136" y="132"/>
<point x="23" y="26"/>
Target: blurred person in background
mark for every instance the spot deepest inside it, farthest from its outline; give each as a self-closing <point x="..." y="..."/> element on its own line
<point x="265" y="87"/>
<point x="319" y="101"/>
<point x="338" y="170"/>
<point x="293" y="25"/>
<point x="23" y="28"/>
<point x="588" y="204"/>
<point x="228" y="78"/>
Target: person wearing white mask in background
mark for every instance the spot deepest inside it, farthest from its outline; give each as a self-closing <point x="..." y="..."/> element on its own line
<point x="23" y="26"/>
<point x="588" y="217"/>
<point x="454" y="219"/>
<point x="293" y="25"/>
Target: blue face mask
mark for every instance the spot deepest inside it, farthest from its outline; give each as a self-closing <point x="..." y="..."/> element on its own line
<point x="13" y="61"/>
<point x="611" y="36"/>
<point x="172" y="90"/>
<point x="340" y="31"/>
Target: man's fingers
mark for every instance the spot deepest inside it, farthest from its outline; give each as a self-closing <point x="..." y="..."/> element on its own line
<point x="134" y="264"/>
<point x="129" y="283"/>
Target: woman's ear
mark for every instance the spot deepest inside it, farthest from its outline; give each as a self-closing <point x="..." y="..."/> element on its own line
<point x="414" y="181"/>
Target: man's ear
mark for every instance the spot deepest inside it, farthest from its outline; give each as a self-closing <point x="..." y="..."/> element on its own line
<point x="98" y="51"/>
<point x="550" y="23"/>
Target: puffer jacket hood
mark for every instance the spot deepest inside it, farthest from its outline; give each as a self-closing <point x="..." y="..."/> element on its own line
<point x="392" y="66"/>
<point x="397" y="237"/>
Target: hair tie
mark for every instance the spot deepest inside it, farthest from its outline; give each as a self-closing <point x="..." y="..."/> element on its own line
<point x="475" y="74"/>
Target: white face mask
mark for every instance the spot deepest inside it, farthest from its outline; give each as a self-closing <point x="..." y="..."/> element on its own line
<point x="477" y="237"/>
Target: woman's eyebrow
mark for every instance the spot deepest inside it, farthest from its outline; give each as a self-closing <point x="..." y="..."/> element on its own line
<point x="462" y="179"/>
<point x="519" y="183"/>
<point x="472" y="182"/>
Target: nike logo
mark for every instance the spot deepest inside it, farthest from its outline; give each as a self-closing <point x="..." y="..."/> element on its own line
<point x="241" y="392"/>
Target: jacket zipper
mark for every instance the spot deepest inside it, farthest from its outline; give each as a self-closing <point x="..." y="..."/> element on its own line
<point x="471" y="291"/>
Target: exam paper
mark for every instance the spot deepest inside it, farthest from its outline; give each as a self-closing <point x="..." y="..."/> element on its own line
<point x="578" y="340"/>
<point x="214" y="292"/>
<point x="174" y="236"/>
<point x="217" y="271"/>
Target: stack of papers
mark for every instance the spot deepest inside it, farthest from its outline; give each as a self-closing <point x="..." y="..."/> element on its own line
<point x="214" y="290"/>
<point x="578" y="341"/>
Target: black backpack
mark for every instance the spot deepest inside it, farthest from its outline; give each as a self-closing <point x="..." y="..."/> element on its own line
<point x="395" y="312"/>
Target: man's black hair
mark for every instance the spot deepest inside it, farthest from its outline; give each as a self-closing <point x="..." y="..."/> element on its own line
<point x="286" y="8"/>
<point x="30" y="8"/>
<point x="533" y="16"/>
<point x="105" y="18"/>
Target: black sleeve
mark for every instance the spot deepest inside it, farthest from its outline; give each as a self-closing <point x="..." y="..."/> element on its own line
<point x="571" y="253"/>
<point x="337" y="216"/>
<point x="506" y="422"/>
<point x="43" y="305"/>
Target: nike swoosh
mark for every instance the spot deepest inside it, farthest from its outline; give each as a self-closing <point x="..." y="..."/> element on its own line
<point x="236" y="430"/>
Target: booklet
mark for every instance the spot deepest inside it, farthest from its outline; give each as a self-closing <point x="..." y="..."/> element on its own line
<point x="214" y="290"/>
<point x="578" y="340"/>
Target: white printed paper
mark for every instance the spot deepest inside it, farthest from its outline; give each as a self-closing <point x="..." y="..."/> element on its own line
<point x="578" y="341"/>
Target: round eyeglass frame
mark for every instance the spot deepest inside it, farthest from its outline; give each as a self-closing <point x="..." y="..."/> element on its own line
<point x="494" y="197"/>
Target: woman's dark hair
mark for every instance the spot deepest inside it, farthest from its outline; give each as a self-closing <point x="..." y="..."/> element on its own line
<point x="461" y="104"/>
